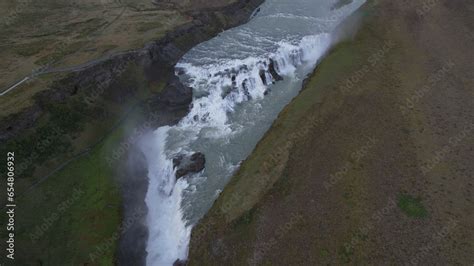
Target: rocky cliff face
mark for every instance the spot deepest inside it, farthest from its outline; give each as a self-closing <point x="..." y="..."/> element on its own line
<point x="109" y="85"/>
<point x="155" y="63"/>
<point x="156" y="60"/>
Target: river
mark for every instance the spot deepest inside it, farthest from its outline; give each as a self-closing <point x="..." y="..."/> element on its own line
<point x="237" y="94"/>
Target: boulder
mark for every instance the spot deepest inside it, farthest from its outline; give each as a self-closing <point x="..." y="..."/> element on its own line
<point x="186" y="164"/>
<point x="175" y="95"/>
<point x="179" y="262"/>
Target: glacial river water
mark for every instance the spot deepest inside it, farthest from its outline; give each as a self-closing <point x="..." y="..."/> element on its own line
<point x="235" y="99"/>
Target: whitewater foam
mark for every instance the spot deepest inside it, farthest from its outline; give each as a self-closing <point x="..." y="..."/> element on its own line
<point x="220" y="87"/>
<point x="168" y="232"/>
<point x="168" y="235"/>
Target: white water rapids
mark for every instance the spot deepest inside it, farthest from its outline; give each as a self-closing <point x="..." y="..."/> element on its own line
<point x="235" y="99"/>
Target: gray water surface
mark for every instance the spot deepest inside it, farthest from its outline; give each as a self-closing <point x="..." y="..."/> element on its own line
<point x="233" y="107"/>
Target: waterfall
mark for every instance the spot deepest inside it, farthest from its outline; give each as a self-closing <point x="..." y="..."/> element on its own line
<point x="221" y="88"/>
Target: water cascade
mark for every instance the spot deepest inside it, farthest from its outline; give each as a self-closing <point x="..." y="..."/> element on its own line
<point x="241" y="80"/>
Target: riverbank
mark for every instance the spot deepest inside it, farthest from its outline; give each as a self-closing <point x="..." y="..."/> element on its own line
<point x="371" y="162"/>
<point x="76" y="132"/>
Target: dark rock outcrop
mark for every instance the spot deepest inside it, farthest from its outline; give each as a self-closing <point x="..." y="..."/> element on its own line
<point x="189" y="164"/>
<point x="13" y="124"/>
<point x="174" y="96"/>
<point x="273" y="72"/>
<point x="156" y="60"/>
<point x="116" y="79"/>
<point x="263" y="76"/>
<point x="179" y="262"/>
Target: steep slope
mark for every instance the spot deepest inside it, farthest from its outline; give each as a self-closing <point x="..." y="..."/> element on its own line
<point x="372" y="162"/>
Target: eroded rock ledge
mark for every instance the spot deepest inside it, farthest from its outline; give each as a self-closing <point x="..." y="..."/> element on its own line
<point x="156" y="61"/>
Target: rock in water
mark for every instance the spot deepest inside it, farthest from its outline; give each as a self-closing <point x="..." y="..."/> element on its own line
<point x="262" y="76"/>
<point x="177" y="160"/>
<point x="273" y="72"/>
<point x="179" y="262"/>
<point x="186" y="164"/>
<point x="176" y="94"/>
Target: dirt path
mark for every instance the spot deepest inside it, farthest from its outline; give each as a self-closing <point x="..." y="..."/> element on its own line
<point x="48" y="70"/>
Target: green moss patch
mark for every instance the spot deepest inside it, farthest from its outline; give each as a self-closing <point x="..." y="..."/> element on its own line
<point x="411" y="206"/>
<point x="345" y="253"/>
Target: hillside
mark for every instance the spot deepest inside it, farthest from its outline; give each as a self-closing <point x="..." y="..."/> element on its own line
<point x="372" y="162"/>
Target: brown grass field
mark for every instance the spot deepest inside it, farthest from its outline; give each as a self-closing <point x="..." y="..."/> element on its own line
<point x="372" y="163"/>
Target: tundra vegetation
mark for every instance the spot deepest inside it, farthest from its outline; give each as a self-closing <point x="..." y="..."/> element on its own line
<point x="405" y="80"/>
